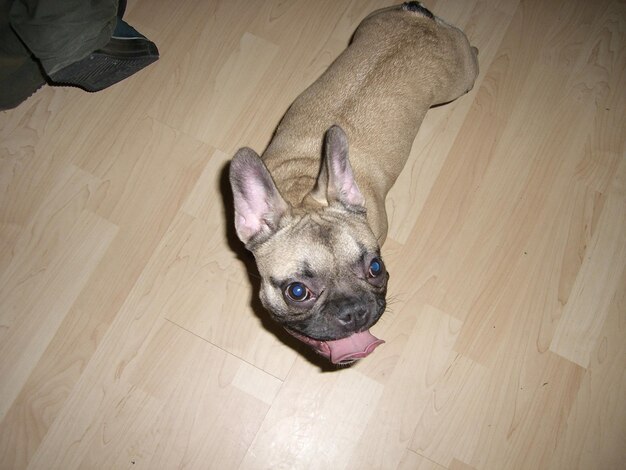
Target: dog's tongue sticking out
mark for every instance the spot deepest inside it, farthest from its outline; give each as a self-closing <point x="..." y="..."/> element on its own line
<point x="353" y="347"/>
<point x="356" y="346"/>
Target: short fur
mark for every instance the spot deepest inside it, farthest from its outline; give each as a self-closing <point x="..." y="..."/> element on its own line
<point x="312" y="208"/>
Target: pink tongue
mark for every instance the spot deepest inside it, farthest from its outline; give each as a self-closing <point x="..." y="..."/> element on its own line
<point x="356" y="346"/>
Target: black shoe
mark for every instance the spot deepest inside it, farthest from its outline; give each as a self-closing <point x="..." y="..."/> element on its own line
<point x="127" y="52"/>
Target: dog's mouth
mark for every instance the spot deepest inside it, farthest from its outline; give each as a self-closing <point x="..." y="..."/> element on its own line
<point x="344" y="350"/>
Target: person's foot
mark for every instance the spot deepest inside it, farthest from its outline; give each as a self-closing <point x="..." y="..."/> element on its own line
<point x="126" y="53"/>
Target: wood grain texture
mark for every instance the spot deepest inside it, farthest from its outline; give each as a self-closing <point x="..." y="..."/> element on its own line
<point x="131" y="334"/>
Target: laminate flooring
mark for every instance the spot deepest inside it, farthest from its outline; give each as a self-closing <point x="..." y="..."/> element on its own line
<point x="131" y="334"/>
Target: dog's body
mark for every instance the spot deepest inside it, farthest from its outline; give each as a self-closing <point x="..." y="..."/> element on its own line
<point x="315" y="220"/>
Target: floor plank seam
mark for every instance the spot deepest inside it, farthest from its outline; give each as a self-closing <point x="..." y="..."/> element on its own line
<point x="230" y="353"/>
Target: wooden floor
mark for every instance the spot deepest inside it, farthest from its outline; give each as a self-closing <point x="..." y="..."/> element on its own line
<point x="130" y="332"/>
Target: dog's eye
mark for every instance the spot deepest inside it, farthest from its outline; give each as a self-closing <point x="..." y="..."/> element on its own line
<point x="298" y="292"/>
<point x="376" y="267"/>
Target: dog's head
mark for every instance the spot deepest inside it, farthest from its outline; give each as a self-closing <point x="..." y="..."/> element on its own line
<point x="323" y="278"/>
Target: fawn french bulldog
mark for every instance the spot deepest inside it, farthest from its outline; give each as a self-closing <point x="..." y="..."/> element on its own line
<point x="312" y="208"/>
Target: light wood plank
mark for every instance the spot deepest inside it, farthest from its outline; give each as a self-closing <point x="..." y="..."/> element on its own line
<point x="426" y="358"/>
<point x="458" y="465"/>
<point x="598" y="280"/>
<point x="63" y="247"/>
<point x="57" y="289"/>
<point x="413" y="461"/>
<point x="131" y="335"/>
<point x="141" y="165"/>
<point x="315" y="421"/>
<point x="594" y="434"/>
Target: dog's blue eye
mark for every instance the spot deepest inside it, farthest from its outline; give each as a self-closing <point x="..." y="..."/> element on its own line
<point x="376" y="267"/>
<point x="298" y="292"/>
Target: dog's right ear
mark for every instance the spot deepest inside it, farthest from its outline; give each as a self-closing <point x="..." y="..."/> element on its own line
<point x="258" y="204"/>
<point x="336" y="180"/>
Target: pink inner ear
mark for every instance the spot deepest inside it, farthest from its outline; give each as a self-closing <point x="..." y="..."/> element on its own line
<point x="251" y="209"/>
<point x="258" y="204"/>
<point x="349" y="191"/>
<point x="256" y="197"/>
<point x="354" y="196"/>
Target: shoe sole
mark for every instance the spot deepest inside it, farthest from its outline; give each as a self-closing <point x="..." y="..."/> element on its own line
<point x="120" y="59"/>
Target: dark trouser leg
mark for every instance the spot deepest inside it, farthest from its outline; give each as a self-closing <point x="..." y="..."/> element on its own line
<point x="82" y="43"/>
<point x="60" y="32"/>
<point x="20" y="73"/>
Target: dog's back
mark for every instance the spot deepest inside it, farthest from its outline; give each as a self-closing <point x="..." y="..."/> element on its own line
<point x="401" y="61"/>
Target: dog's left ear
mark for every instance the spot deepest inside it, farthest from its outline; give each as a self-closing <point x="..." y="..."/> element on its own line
<point x="258" y="204"/>
<point x="336" y="181"/>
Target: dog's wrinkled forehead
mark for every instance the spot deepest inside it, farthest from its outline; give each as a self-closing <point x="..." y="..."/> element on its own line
<point x="315" y="244"/>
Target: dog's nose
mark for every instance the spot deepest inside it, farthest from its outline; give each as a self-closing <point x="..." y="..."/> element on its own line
<point x="351" y="316"/>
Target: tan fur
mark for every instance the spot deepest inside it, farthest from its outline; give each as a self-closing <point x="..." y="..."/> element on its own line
<point x="312" y="208"/>
<point x="399" y="64"/>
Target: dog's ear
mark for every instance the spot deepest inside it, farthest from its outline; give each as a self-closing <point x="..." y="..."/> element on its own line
<point x="258" y="204"/>
<point x="336" y="180"/>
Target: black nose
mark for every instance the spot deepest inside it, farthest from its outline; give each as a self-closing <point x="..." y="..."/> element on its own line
<point x="351" y="315"/>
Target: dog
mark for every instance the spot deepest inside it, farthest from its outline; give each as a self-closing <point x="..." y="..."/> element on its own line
<point x="311" y="209"/>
